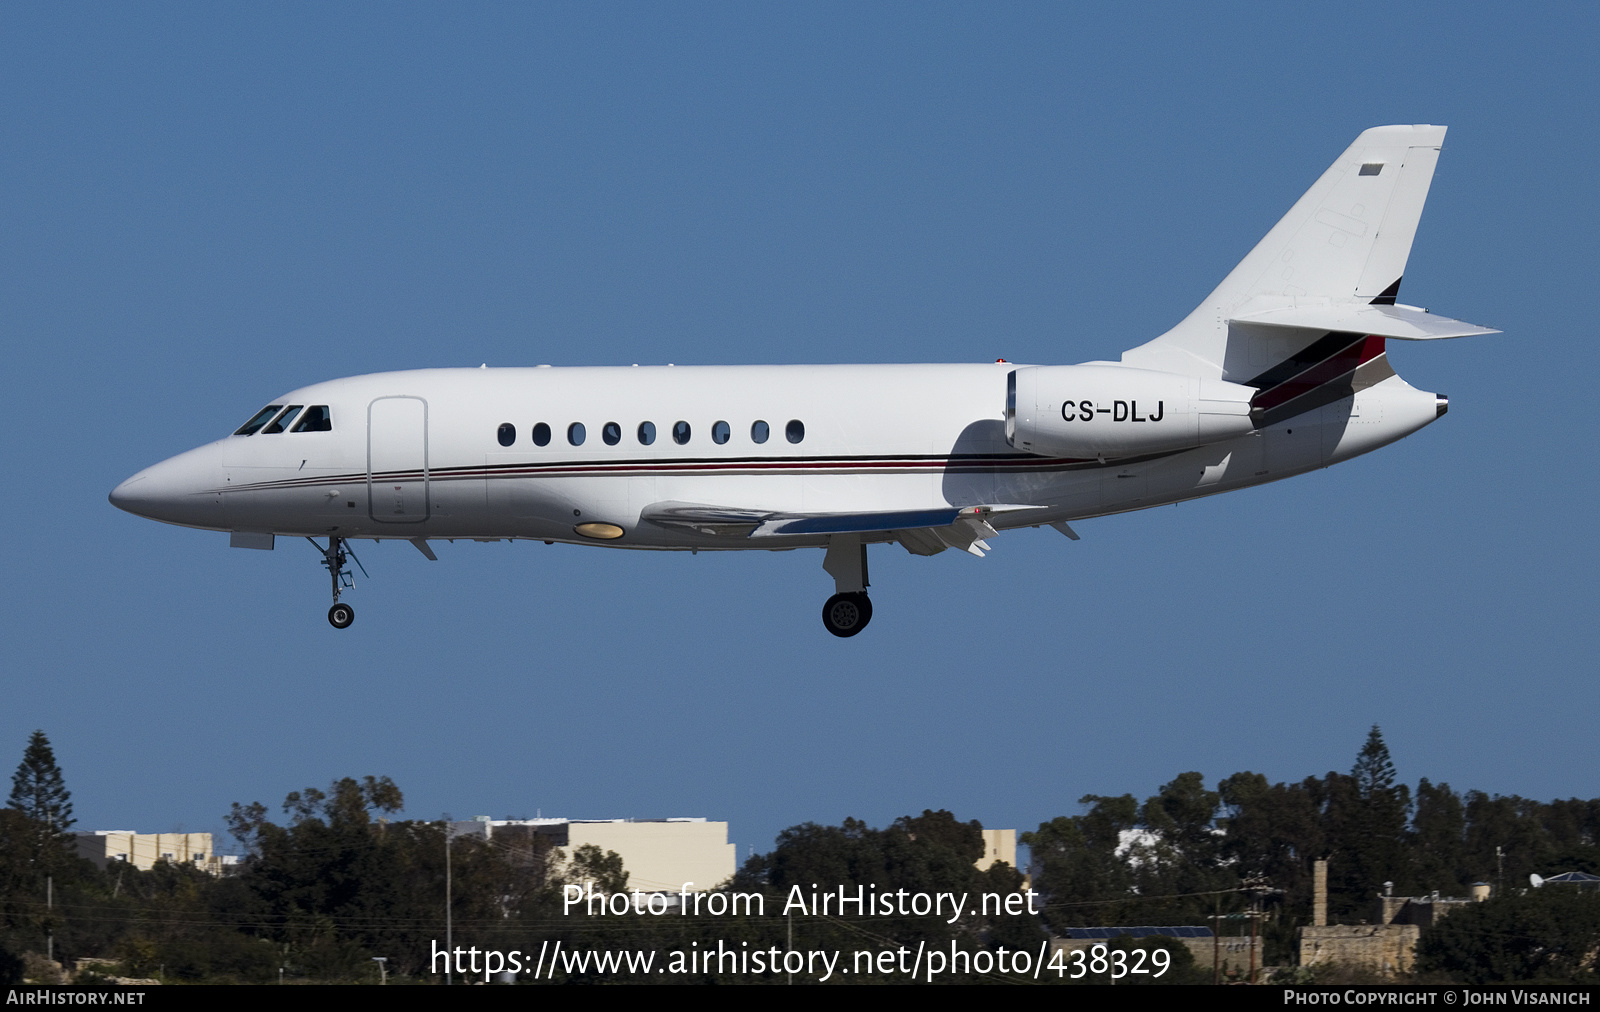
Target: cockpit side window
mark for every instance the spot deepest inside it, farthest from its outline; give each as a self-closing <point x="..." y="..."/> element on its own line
<point x="283" y="420"/>
<point x="316" y="419"/>
<point x="261" y="418"/>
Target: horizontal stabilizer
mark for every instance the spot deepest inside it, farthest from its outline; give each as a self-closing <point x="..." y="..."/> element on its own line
<point x="1406" y="323"/>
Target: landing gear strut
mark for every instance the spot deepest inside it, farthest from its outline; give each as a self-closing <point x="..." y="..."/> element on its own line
<point x="848" y="611"/>
<point x="333" y="559"/>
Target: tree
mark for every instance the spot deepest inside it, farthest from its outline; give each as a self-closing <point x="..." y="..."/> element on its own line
<point x="1182" y="816"/>
<point x="1078" y="867"/>
<point x="1374" y="768"/>
<point x="916" y="854"/>
<point x="1438" y="838"/>
<point x="1275" y="831"/>
<point x="1367" y="822"/>
<point x="600" y="868"/>
<point x="39" y="793"/>
<point x="1549" y="935"/>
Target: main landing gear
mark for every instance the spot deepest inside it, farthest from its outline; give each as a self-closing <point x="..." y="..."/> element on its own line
<point x="848" y="611"/>
<point x="333" y="559"/>
<point x="847" y="614"/>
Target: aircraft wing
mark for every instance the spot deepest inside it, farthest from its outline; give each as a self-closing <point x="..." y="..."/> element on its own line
<point x="922" y="532"/>
<point x="1406" y="323"/>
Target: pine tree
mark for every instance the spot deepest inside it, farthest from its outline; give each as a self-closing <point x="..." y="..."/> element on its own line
<point x="1369" y="812"/>
<point x="1374" y="769"/>
<point x="39" y="792"/>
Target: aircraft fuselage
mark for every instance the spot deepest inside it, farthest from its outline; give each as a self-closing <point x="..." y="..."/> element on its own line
<point x="450" y="453"/>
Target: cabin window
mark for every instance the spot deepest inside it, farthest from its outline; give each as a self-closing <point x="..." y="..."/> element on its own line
<point x="541" y="435"/>
<point x="316" y="419"/>
<point x="795" y="430"/>
<point x="680" y="432"/>
<point x="759" y="431"/>
<point x="720" y="433"/>
<point x="507" y="434"/>
<point x="647" y="433"/>
<point x="611" y="432"/>
<point x="261" y="418"/>
<point x="283" y="420"/>
<point x="576" y="433"/>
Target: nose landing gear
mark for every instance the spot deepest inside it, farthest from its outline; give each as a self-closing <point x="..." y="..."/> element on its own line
<point x="333" y="559"/>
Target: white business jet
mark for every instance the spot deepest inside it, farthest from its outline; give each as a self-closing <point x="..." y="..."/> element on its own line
<point x="1279" y="371"/>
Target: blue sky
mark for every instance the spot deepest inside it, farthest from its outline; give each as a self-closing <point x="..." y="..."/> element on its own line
<point x="202" y="207"/>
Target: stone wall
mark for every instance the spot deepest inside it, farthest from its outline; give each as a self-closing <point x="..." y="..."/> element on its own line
<point x="1387" y="948"/>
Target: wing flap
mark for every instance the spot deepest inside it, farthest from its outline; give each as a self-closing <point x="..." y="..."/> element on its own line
<point x="920" y="541"/>
<point x="722" y="521"/>
<point x="854" y="523"/>
<point x="738" y="522"/>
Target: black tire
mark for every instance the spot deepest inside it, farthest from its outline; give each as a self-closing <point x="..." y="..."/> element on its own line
<point x="847" y="614"/>
<point x="341" y="615"/>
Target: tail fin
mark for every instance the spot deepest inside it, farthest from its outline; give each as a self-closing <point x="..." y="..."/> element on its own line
<point x="1342" y="244"/>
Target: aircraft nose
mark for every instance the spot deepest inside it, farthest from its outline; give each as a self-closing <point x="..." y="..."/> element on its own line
<point x="126" y="495"/>
<point x="185" y="489"/>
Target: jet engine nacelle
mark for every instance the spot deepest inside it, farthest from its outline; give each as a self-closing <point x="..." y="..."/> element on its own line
<point x="1099" y="411"/>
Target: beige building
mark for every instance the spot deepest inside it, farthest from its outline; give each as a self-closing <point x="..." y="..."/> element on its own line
<point x="659" y="855"/>
<point x="998" y="845"/>
<point x="143" y="850"/>
<point x="663" y="856"/>
<point x="1228" y="954"/>
<point x="1387" y="946"/>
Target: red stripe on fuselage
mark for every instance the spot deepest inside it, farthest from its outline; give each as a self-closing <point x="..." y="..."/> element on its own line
<point x="1344" y="361"/>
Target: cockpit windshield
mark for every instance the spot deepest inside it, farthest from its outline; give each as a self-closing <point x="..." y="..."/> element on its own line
<point x="316" y="419"/>
<point x="283" y="420"/>
<point x="261" y="418"/>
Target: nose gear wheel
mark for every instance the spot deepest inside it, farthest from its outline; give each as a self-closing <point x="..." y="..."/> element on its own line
<point x="333" y="560"/>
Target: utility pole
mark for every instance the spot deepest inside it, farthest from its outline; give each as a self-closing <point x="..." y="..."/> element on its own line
<point x="1255" y="915"/>
<point x="1216" y="945"/>
<point x="1216" y="939"/>
<point x="449" y="937"/>
<point x="50" y="906"/>
<point x="1257" y="887"/>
